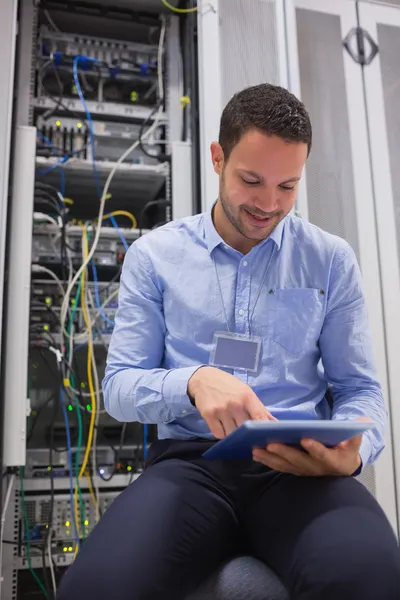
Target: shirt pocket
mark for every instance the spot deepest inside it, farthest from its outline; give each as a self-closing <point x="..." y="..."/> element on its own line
<point x="294" y="318"/>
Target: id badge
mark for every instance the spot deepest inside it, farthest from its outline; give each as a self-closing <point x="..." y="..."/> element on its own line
<point x="235" y="351"/>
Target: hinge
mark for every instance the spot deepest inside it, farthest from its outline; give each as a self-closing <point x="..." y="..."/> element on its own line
<point x="354" y="42"/>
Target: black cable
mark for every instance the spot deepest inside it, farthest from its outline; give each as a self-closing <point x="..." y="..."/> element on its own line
<point x="117" y="454"/>
<point x="45" y="202"/>
<point x="37" y="415"/>
<point x="161" y="157"/>
<point x="146" y="207"/>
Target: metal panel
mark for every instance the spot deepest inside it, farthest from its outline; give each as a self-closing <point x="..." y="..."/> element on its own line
<point x="382" y="78"/>
<point x="182" y="196"/>
<point x="210" y="98"/>
<point x="339" y="195"/>
<point x="18" y="298"/>
<point x="241" y="43"/>
<point x="174" y="81"/>
<point x="25" y="73"/>
<point x="248" y="45"/>
<point x="331" y="194"/>
<point x="8" y="28"/>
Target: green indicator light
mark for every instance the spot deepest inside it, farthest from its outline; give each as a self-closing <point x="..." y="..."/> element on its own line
<point x="88" y="407"/>
<point x="70" y="407"/>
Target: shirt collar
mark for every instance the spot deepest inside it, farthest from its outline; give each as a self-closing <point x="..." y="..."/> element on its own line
<point x="213" y="239"/>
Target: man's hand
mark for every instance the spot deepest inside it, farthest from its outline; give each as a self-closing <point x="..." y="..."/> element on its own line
<point x="316" y="461"/>
<point x="224" y="401"/>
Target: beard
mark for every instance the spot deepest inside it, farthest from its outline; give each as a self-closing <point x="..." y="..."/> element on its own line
<point x="233" y="214"/>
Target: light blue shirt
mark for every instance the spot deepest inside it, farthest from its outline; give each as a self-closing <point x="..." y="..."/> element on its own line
<point x="310" y="315"/>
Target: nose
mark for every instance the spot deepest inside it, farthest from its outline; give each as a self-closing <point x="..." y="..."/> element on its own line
<point x="268" y="201"/>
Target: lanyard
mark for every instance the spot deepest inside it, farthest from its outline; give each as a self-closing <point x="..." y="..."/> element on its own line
<point x="258" y="293"/>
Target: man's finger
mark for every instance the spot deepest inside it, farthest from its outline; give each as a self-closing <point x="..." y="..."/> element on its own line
<point x="317" y="450"/>
<point x="274" y="462"/>
<point x="257" y="411"/>
<point x="216" y="428"/>
<point x="228" y="424"/>
<point x="352" y="444"/>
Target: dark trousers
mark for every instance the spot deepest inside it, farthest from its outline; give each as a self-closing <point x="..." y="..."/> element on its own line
<point x="326" y="538"/>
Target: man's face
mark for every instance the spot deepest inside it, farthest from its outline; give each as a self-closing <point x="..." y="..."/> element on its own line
<point x="258" y="184"/>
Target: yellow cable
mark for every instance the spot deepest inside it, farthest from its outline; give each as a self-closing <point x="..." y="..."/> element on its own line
<point x="123" y="213"/>
<point x="92" y="494"/>
<point x="182" y="11"/>
<point x="90" y="379"/>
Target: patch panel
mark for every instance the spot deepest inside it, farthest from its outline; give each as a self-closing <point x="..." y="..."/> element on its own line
<point x="70" y="137"/>
<point x="125" y="72"/>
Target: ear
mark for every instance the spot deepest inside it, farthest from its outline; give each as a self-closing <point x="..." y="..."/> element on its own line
<point x="217" y="157"/>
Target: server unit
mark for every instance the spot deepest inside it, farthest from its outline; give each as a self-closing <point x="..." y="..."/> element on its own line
<point x="102" y="132"/>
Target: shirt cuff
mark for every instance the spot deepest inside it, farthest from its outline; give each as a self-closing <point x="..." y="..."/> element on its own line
<point x="174" y="391"/>
<point x="365" y="450"/>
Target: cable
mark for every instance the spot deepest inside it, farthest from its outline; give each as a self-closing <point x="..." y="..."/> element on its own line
<point x="51" y="565"/>
<point x="146" y="207"/>
<point x="3" y="520"/>
<point x="160" y="51"/>
<point x="38" y="216"/>
<point x="27" y="533"/>
<point x="70" y="464"/>
<point x="50" y="143"/>
<point x="40" y="269"/>
<point x="64" y="307"/>
<point x="89" y="365"/>
<point x="97" y="296"/>
<point x="50" y="21"/>
<point x="182" y="11"/>
<point x="122" y="213"/>
<point x="117" y="454"/>
<point x="91" y="491"/>
<point x="121" y="235"/>
<point x="78" y="409"/>
<point x="96" y="409"/>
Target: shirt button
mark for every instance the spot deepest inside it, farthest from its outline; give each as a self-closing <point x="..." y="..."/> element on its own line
<point x="245" y="263"/>
<point x="241" y="312"/>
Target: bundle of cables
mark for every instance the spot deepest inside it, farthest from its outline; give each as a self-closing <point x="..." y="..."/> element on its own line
<point x="77" y="283"/>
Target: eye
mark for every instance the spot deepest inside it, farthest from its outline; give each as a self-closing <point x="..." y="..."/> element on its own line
<point x="287" y="187"/>
<point x="247" y="182"/>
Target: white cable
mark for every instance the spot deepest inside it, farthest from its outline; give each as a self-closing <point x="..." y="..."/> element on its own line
<point x="39" y="216"/>
<point x="3" y="520"/>
<point x="64" y="307"/>
<point x="51" y="22"/>
<point x="146" y="134"/>
<point x="160" y="59"/>
<point x="89" y="299"/>
<point x="41" y="269"/>
<point x="51" y="566"/>
<point x="81" y="338"/>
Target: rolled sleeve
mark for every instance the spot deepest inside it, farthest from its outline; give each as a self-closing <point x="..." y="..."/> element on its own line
<point x="175" y="393"/>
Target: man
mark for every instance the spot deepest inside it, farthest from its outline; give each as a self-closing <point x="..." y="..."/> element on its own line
<point x="247" y="268"/>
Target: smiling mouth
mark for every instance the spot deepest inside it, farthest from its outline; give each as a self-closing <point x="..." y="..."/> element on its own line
<point x="257" y="218"/>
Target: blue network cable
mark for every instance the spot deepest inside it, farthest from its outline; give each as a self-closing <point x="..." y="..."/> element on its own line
<point x="59" y="164"/>
<point x="85" y="60"/>
<point x="121" y="235"/>
<point x="97" y="296"/>
<point x="70" y="463"/>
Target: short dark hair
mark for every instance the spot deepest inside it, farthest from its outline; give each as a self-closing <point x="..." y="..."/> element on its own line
<point x="271" y="109"/>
